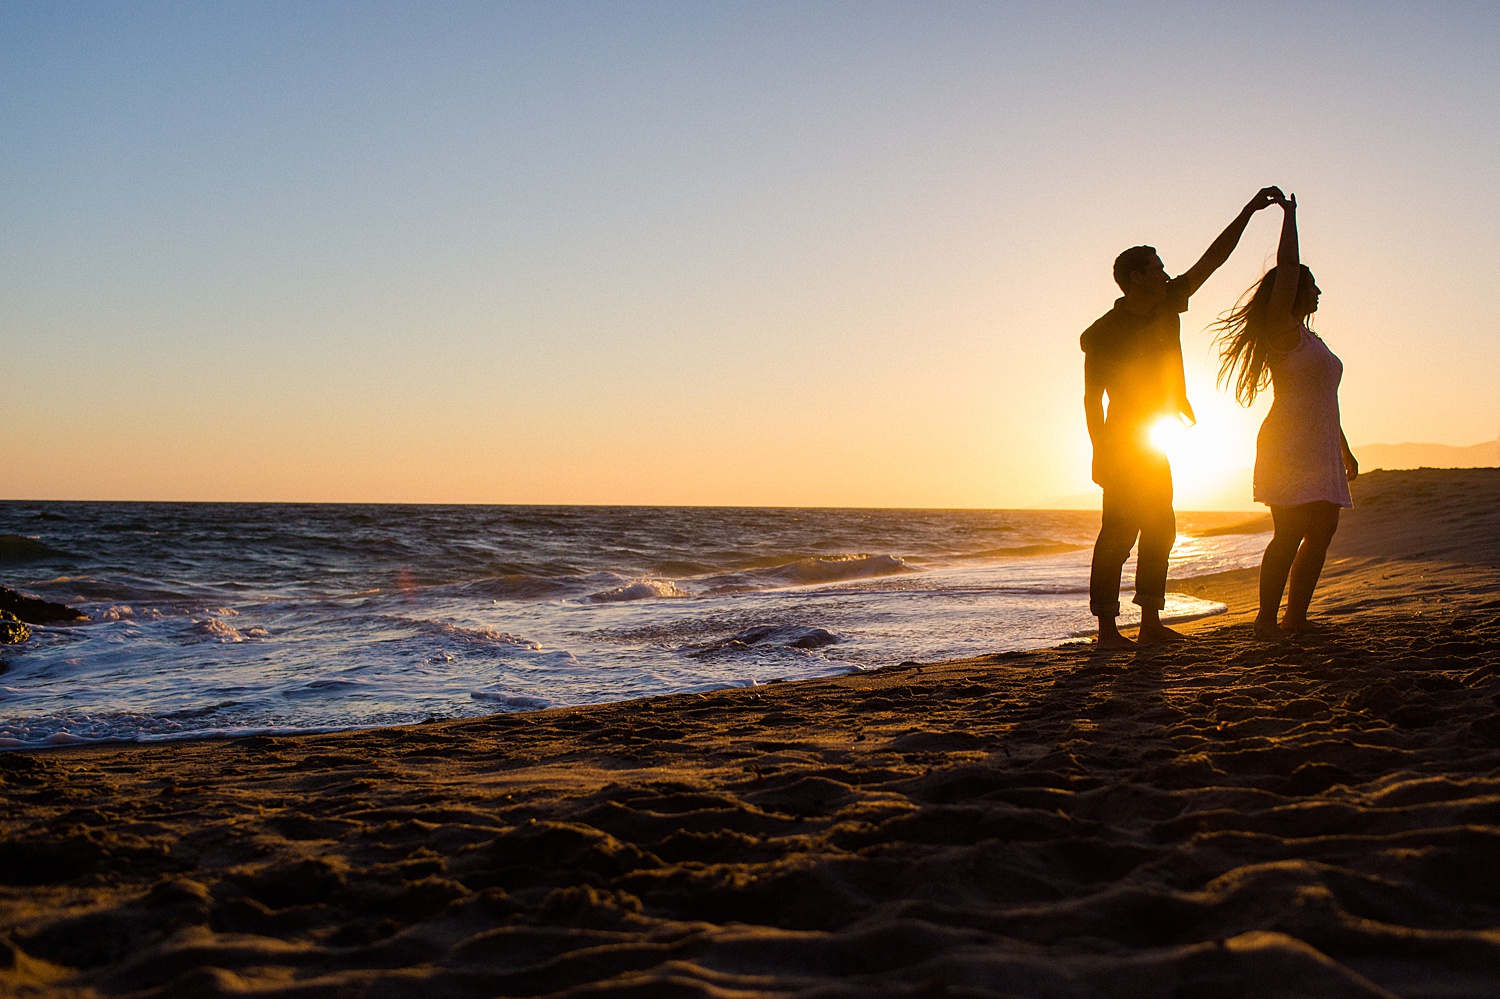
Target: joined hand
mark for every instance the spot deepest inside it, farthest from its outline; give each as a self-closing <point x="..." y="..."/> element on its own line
<point x="1265" y="198"/>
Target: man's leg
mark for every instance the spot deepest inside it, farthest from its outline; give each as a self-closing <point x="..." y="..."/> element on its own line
<point x="1158" y="535"/>
<point x="1116" y="537"/>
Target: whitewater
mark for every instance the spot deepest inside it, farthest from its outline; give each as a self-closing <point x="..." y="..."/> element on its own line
<point x="231" y="619"/>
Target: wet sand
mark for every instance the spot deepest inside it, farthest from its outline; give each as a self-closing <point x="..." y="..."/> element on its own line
<point x="1219" y="818"/>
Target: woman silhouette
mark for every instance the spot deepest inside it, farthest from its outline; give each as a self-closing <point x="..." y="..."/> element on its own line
<point x="1303" y="465"/>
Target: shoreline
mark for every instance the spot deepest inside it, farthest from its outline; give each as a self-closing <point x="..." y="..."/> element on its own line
<point x="1213" y="814"/>
<point x="56" y="703"/>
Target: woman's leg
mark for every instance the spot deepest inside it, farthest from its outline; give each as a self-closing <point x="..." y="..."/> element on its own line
<point x="1322" y="522"/>
<point x="1291" y="527"/>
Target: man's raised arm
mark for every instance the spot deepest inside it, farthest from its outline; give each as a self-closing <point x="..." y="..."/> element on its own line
<point x="1220" y="249"/>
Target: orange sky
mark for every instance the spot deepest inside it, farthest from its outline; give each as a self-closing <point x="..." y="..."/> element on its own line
<point x="648" y="253"/>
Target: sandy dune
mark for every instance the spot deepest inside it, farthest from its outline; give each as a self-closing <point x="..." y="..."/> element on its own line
<point x="1223" y="818"/>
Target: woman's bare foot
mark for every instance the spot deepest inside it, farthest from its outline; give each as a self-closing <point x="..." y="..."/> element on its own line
<point x="1295" y="624"/>
<point x="1157" y="634"/>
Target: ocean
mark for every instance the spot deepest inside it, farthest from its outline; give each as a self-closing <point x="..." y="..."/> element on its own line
<point x="208" y="619"/>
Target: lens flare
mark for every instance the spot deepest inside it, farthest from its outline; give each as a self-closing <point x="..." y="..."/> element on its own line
<point x="1208" y="470"/>
<point x="1168" y="436"/>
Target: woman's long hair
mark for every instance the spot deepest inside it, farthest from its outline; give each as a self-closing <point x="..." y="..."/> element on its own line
<point x="1244" y="338"/>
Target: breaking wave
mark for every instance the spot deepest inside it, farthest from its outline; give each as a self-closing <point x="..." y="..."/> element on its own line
<point x="463" y="634"/>
<point x="806" y="572"/>
<point x="1028" y="551"/>
<point x="16" y="548"/>
<point x="787" y="636"/>
<point x="515" y="702"/>
<point x="641" y="589"/>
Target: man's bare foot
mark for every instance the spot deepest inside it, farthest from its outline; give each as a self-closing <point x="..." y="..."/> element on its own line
<point x="1157" y="634"/>
<point x="1266" y="631"/>
<point x="1109" y="635"/>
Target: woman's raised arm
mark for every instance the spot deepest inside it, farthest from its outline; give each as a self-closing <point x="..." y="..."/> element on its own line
<point x="1281" y="321"/>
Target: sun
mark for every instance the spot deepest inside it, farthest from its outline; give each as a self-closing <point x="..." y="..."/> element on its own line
<point x="1205" y="466"/>
<point x="1168" y="435"/>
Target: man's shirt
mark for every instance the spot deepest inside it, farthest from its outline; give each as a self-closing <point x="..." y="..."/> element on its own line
<point x="1136" y="360"/>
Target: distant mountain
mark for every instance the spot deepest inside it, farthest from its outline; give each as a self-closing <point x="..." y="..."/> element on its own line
<point x="1373" y="456"/>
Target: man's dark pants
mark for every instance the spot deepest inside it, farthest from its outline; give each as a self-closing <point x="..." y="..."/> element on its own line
<point x="1137" y="502"/>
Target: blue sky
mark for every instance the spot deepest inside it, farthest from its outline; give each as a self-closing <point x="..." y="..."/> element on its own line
<point x="702" y="252"/>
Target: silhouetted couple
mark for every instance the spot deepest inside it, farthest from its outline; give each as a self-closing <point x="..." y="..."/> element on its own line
<point x="1133" y="356"/>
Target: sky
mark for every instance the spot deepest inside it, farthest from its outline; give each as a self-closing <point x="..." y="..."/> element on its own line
<point x="824" y="254"/>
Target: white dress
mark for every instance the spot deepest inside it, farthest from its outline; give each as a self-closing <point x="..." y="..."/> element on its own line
<point x="1299" y="457"/>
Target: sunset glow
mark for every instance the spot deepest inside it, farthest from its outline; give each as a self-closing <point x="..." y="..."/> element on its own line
<point x="709" y="254"/>
<point x="1207" y="466"/>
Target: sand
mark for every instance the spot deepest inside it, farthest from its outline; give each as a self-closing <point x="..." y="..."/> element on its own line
<point x="1218" y="818"/>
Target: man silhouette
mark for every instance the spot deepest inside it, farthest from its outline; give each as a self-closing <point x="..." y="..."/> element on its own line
<point x="1133" y="355"/>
